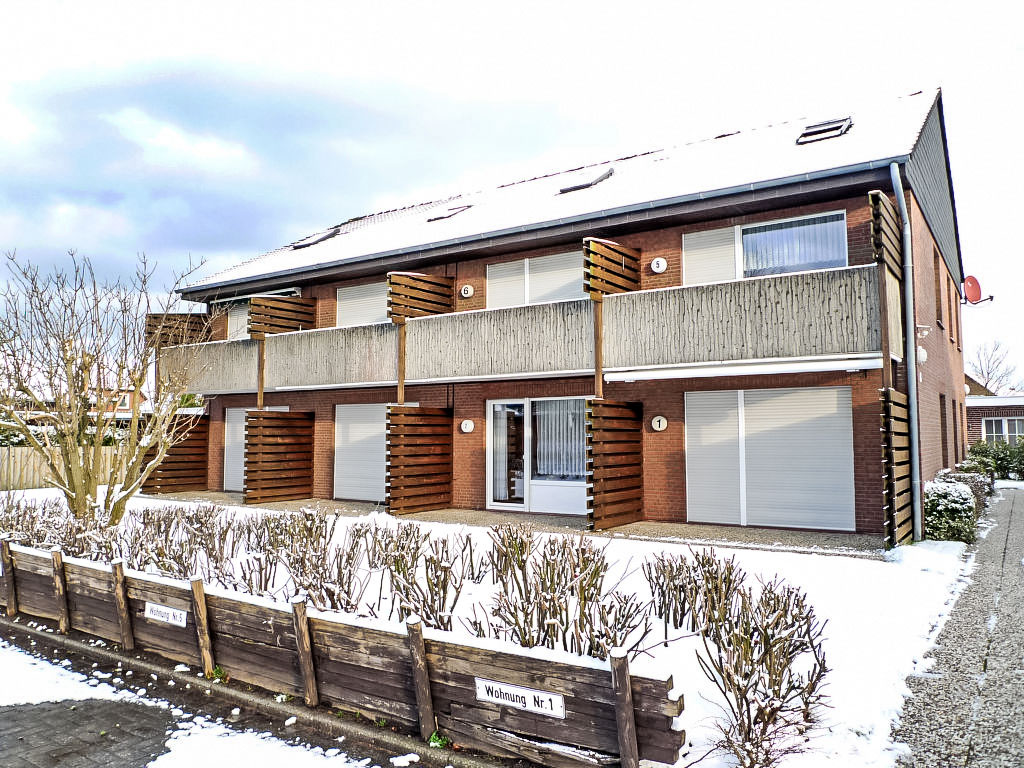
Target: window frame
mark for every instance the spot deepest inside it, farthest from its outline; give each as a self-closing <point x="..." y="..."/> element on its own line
<point x="741" y="256"/>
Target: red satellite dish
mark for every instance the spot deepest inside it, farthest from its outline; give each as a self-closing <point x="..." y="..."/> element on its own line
<point x="972" y="289"/>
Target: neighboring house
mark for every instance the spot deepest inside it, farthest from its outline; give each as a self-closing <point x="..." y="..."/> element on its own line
<point x="754" y="313"/>
<point x="995" y="418"/>
<point x="975" y="387"/>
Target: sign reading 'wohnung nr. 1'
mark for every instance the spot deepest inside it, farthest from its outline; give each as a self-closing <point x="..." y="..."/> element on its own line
<point x="526" y="699"/>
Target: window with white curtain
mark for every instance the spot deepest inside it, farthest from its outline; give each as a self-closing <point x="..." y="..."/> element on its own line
<point x="559" y="440"/>
<point x="795" y="245"/>
<point x="1003" y="431"/>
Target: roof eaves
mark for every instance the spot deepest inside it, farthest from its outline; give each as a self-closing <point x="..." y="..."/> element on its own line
<point x="625" y="210"/>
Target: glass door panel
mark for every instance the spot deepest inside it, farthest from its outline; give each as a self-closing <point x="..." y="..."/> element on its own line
<point x="508" y="444"/>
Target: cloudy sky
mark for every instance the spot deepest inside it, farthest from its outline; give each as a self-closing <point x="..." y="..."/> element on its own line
<point x="217" y="130"/>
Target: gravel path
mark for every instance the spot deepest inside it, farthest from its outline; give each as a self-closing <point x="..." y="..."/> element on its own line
<point x="968" y="710"/>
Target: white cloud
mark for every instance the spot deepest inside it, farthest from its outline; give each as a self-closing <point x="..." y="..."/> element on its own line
<point x="166" y="145"/>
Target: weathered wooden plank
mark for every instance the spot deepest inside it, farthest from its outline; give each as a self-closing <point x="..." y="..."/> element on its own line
<point x="421" y="677"/>
<point x="305" y="652"/>
<point x="10" y="587"/>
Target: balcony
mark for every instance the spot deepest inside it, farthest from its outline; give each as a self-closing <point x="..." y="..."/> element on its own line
<point x="834" y="312"/>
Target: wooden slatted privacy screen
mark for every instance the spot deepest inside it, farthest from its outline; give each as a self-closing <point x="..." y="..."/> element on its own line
<point x="609" y="267"/>
<point x="411" y="294"/>
<point x="184" y="466"/>
<point x="177" y="328"/>
<point x="419" y="459"/>
<point x="615" y="487"/>
<point x="280" y="314"/>
<point x="359" y="666"/>
<point x="278" y="455"/>
<point x="886" y="232"/>
<point x="899" y="526"/>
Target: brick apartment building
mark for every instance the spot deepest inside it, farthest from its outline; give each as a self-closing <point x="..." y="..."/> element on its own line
<point x="995" y="418"/>
<point x="744" y="296"/>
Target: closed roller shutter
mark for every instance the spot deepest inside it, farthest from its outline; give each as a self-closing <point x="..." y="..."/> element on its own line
<point x="363" y="304"/>
<point x="556" y="278"/>
<point x="506" y="284"/>
<point x="713" y="457"/>
<point x="799" y="458"/>
<point x="238" y="321"/>
<point x="359" y="452"/>
<point x="709" y="257"/>
<point x="234" y="446"/>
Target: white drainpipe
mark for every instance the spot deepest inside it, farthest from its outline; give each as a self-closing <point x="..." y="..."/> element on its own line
<point x="911" y="351"/>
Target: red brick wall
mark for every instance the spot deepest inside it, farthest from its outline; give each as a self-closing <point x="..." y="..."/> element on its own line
<point x="977" y="413"/>
<point x="943" y="372"/>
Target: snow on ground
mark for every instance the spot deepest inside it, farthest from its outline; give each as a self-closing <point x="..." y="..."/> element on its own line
<point x="28" y="680"/>
<point x="883" y="616"/>
<point x="1017" y="484"/>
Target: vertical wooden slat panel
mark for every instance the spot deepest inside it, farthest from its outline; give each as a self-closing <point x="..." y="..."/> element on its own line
<point x="419" y="459"/>
<point x="184" y="467"/>
<point x="278" y="455"/>
<point x="897" y="487"/>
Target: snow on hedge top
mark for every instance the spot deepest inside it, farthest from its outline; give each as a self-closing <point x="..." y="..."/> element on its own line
<point x="731" y="162"/>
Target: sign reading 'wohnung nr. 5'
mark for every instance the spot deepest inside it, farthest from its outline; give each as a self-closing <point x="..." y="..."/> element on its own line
<point x="526" y="699"/>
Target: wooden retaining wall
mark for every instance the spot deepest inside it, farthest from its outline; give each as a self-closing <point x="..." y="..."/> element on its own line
<point x="898" y="507"/>
<point x="278" y="455"/>
<point x="578" y="714"/>
<point x="419" y="459"/>
<point x="615" y="487"/>
<point x="184" y="467"/>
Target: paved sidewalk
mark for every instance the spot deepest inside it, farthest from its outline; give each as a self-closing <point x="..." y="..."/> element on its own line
<point x="968" y="710"/>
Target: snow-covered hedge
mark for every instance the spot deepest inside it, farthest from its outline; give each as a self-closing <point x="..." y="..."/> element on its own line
<point x="949" y="512"/>
<point x="980" y="485"/>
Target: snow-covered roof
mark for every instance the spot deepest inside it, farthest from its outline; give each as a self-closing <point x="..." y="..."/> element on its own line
<point x="733" y="162"/>
<point x="993" y="401"/>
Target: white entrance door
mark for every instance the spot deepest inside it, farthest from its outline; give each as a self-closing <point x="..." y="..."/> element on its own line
<point x="360" y="451"/>
<point x="772" y="457"/>
<point x="536" y="455"/>
<point x="234" y="446"/>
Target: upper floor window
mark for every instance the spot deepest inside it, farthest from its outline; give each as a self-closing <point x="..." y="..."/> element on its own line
<point x="535" y="281"/>
<point x="794" y="245"/>
<point x="364" y="304"/>
<point x="1004" y="431"/>
<point x="238" y="320"/>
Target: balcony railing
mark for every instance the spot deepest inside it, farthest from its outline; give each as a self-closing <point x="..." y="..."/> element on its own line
<point x="800" y="315"/>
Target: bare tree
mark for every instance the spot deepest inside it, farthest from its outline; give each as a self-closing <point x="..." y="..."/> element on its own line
<point x="73" y="349"/>
<point x="991" y="367"/>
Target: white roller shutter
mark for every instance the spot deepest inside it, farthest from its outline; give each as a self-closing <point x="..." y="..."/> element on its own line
<point x="799" y="458"/>
<point x="359" y="451"/>
<point x="709" y="257"/>
<point x="238" y="321"/>
<point x="364" y="304"/>
<point x="234" y="446"/>
<point x="713" y="476"/>
<point x="555" y="278"/>
<point x="506" y="284"/>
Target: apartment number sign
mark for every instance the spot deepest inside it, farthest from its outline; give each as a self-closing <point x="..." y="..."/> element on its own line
<point x="166" y="614"/>
<point x="659" y="423"/>
<point x="527" y="699"/>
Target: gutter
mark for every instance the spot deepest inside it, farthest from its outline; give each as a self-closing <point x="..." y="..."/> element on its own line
<point x="647" y="212"/>
<point x="911" y="353"/>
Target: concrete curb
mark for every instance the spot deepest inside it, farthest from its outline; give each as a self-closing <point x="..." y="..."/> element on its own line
<point x="314" y="719"/>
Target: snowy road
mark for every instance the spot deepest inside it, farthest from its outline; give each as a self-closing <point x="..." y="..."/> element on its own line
<point x="53" y="715"/>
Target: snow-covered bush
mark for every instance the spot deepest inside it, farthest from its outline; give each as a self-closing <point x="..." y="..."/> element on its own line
<point x="763" y="652"/>
<point x="980" y="485"/>
<point x="949" y="512"/>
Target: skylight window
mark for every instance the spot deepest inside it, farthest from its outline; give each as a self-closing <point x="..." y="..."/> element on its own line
<point x="451" y="212"/>
<point x="587" y="184"/>
<point x="830" y="129"/>
<point x="316" y="238"/>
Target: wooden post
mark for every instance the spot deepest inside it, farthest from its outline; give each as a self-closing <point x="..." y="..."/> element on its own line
<point x="420" y="677"/>
<point x="400" y="322"/>
<point x="624" y="717"/>
<point x="261" y="370"/>
<point x="202" y="625"/>
<point x="305" y="650"/>
<point x="598" y="300"/>
<point x="8" y="565"/>
<point x="60" y="591"/>
<point x="124" y="618"/>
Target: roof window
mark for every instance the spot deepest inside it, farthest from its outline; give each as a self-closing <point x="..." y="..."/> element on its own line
<point x="316" y="238"/>
<point x="587" y="184"/>
<point x="830" y="129"/>
<point x="451" y="212"/>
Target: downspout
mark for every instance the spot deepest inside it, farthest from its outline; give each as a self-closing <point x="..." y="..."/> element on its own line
<point x="911" y="351"/>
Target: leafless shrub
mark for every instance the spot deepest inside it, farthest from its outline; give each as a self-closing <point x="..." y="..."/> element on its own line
<point x="667" y="576"/>
<point x="763" y="652"/>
